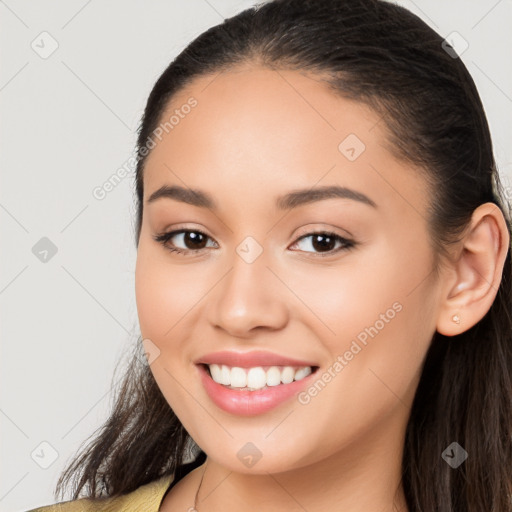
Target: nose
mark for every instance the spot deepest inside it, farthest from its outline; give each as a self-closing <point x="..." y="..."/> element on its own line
<point x="248" y="298"/>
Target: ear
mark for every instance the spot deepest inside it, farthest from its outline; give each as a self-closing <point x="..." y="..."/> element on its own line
<point x="474" y="276"/>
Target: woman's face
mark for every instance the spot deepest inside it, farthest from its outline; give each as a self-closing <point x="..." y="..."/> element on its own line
<point x="360" y="309"/>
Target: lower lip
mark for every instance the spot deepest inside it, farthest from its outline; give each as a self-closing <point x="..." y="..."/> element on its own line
<point x="250" y="403"/>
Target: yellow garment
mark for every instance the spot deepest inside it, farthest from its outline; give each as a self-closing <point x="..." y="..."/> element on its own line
<point x="147" y="498"/>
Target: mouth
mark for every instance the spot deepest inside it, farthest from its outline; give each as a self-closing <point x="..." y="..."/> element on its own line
<point x="249" y="391"/>
<point x="257" y="377"/>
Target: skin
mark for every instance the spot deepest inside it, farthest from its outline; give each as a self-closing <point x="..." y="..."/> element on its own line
<point x="256" y="134"/>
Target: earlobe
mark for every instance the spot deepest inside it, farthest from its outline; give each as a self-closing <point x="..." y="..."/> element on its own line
<point x="477" y="269"/>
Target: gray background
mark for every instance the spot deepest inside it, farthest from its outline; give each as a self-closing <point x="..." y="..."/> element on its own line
<point x="68" y="124"/>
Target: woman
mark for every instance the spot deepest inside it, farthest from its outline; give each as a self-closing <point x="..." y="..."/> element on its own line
<point x="323" y="278"/>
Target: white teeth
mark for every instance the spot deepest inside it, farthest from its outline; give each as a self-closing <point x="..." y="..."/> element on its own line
<point x="302" y="372"/>
<point x="225" y="375"/>
<point x="273" y="376"/>
<point x="287" y="375"/>
<point x="257" y="377"/>
<point x="238" y="377"/>
<point x="216" y="373"/>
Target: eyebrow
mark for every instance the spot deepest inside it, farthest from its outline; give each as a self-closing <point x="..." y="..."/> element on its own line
<point x="196" y="197"/>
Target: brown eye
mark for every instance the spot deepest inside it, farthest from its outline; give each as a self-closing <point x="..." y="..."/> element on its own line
<point x="193" y="240"/>
<point x="323" y="243"/>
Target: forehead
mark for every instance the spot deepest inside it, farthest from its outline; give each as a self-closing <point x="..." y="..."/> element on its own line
<point x="255" y="130"/>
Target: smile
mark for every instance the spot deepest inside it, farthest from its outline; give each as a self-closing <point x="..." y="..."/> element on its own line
<point x="257" y="377"/>
<point x="255" y="390"/>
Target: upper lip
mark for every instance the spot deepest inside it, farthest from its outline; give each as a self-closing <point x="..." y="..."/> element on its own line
<point x="250" y="359"/>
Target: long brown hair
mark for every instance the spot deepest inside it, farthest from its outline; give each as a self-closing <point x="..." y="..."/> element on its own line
<point x="382" y="55"/>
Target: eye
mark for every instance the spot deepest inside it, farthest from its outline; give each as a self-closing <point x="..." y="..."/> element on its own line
<point x="194" y="237"/>
<point x="324" y="241"/>
<point x="321" y="241"/>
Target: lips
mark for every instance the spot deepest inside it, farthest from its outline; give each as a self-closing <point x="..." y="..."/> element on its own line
<point x="251" y="359"/>
<point x="245" y="402"/>
<point x="250" y="403"/>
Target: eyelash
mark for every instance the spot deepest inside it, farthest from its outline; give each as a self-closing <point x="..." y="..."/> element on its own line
<point x="165" y="237"/>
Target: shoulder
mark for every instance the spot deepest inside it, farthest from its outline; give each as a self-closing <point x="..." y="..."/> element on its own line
<point x="146" y="498"/>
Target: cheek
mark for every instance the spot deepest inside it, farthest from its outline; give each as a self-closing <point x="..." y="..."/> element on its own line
<point x="380" y="340"/>
<point x="165" y="294"/>
<point x="165" y="297"/>
<point x="376" y="311"/>
<point x="342" y="301"/>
